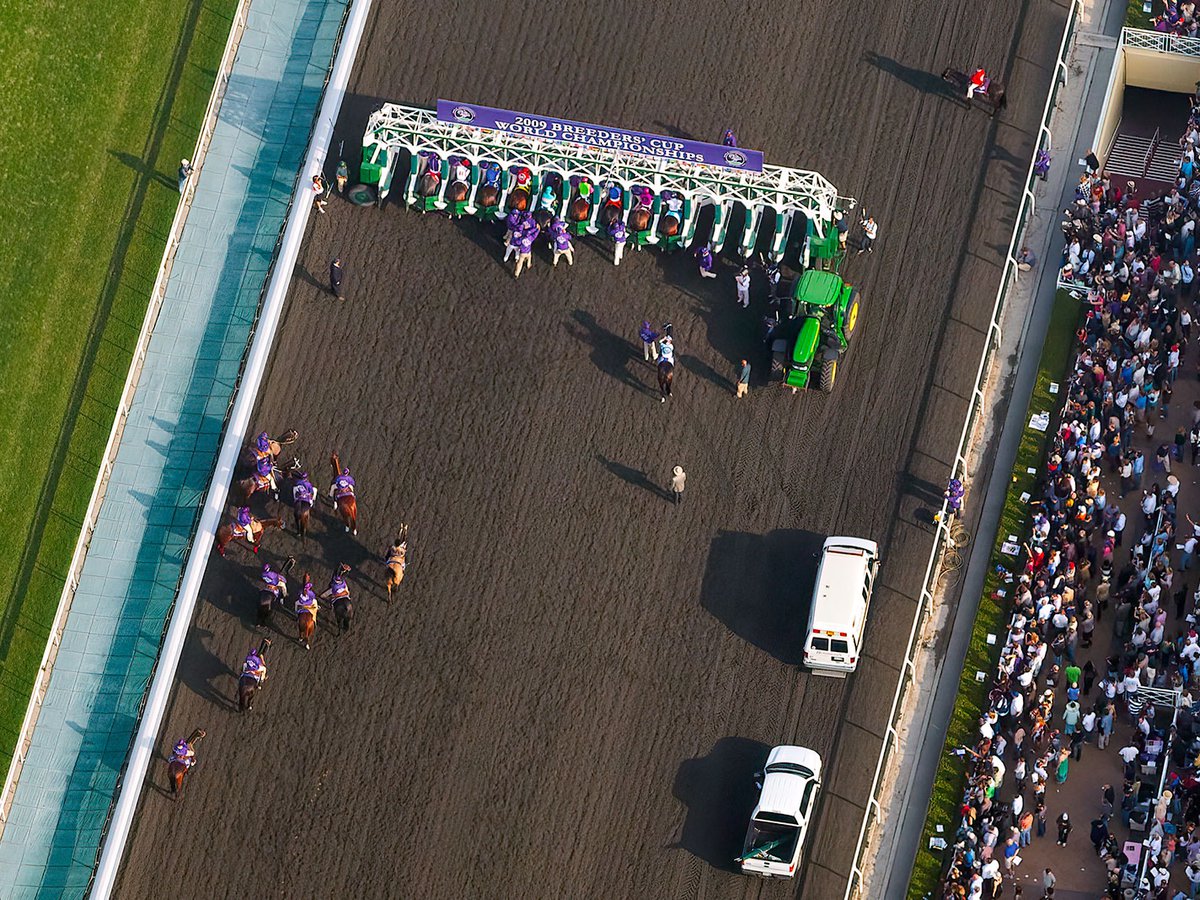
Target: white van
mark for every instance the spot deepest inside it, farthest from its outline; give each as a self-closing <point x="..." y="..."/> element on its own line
<point x="839" y="606"/>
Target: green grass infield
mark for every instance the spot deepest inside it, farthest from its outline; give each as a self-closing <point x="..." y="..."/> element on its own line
<point x="103" y="101"/>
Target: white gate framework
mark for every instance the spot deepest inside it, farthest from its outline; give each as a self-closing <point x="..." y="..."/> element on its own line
<point x="782" y="192"/>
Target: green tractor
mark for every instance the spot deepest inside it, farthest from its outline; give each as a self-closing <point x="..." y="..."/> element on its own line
<point x="806" y="347"/>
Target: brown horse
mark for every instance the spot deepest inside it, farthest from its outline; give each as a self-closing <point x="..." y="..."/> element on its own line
<point x="427" y="184"/>
<point x="489" y="196"/>
<point x="668" y="226"/>
<point x="226" y="533"/>
<point x="306" y="621"/>
<point x="579" y="209"/>
<point x="519" y="199"/>
<point x="248" y="684"/>
<point x="347" y="506"/>
<point x="666" y="374"/>
<point x="177" y="768"/>
<point x="639" y="219"/>
<point x="458" y="191"/>
<point x="249" y="454"/>
<point x="396" y="560"/>
<point x="609" y="214"/>
<point x="244" y="488"/>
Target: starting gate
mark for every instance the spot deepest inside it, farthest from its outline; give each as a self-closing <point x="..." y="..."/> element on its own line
<point x="520" y="162"/>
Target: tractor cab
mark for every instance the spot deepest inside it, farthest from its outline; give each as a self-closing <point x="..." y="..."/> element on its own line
<point x="816" y="337"/>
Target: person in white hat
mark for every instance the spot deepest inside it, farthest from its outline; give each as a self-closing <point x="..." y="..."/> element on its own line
<point x="185" y="170"/>
<point x="678" y="477"/>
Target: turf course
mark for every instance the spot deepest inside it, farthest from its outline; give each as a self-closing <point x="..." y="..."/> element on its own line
<point x="101" y="103"/>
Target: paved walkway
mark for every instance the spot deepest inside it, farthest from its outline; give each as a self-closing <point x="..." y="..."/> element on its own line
<point x="135" y="560"/>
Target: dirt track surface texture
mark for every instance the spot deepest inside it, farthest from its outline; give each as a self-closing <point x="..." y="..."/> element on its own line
<point x="577" y="679"/>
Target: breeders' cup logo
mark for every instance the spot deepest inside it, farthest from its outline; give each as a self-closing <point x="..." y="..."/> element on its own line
<point x="732" y="157"/>
<point x="463" y="115"/>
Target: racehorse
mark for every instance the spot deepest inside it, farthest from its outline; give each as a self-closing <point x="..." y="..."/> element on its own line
<point x="395" y="560"/>
<point x="609" y="214"/>
<point x="458" y="191"/>
<point x="301" y="510"/>
<point x="579" y="209"/>
<point x="519" y="199"/>
<point x="994" y="97"/>
<point x="249" y="454"/>
<point x="244" y="488"/>
<point x="489" y="196"/>
<point x="306" y="622"/>
<point x="668" y="226"/>
<point x="248" y="684"/>
<point x="343" y="614"/>
<point x="267" y="597"/>
<point x="666" y="374"/>
<point x="639" y="219"/>
<point x="177" y="768"/>
<point x="230" y="530"/>
<point x="347" y="507"/>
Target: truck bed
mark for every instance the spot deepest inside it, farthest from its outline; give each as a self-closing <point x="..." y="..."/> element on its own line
<point x="778" y="859"/>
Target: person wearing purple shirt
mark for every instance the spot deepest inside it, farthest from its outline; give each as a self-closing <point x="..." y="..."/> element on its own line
<point x="617" y="232"/>
<point x="525" y="247"/>
<point x="561" y="240"/>
<point x="303" y="490"/>
<point x="705" y="258"/>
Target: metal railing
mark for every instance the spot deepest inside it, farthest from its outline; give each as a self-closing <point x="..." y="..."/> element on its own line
<point x="1142" y="39"/>
<point x="973" y="418"/>
<point x="157" y="293"/>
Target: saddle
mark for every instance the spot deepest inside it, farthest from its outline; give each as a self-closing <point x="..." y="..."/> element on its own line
<point x="398" y="559"/>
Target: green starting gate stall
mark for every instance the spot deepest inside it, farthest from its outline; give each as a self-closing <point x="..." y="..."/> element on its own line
<point x="776" y="194"/>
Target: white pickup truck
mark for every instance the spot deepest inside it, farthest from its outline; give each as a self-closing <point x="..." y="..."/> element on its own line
<point x="775" y="839"/>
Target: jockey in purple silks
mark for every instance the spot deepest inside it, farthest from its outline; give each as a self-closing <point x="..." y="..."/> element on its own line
<point x="303" y="491"/>
<point x="343" y="486"/>
<point x="255" y="666"/>
<point x="307" y="601"/>
<point x="262" y="445"/>
<point x="338" y="589"/>
<point x="728" y="138"/>
<point x="264" y="474"/>
<point x="243" y="521"/>
<point x="183" y="753"/>
<point x="274" y="581"/>
<point x="705" y="258"/>
<point x="619" y="234"/>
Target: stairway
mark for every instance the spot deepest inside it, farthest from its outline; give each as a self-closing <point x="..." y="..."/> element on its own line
<point x="1127" y="158"/>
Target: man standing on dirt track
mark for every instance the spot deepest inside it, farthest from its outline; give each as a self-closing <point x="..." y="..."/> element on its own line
<point x="678" y="478"/>
<point x="648" y="336"/>
<point x="335" y="277"/>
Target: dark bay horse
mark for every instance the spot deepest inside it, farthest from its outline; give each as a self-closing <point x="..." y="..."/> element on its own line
<point x="666" y="374"/>
<point x="267" y="597"/>
<point x="244" y="488"/>
<point x="347" y="507"/>
<point x="343" y="614"/>
<point x="427" y="184"/>
<point x="247" y="684"/>
<point x="488" y="196"/>
<point x="225" y="533"/>
<point x="306" y="622"/>
<point x="177" y="768"/>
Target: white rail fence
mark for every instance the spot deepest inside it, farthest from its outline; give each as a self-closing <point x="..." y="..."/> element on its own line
<point x="974" y="413"/>
<point x="1163" y="43"/>
<point x="42" y="681"/>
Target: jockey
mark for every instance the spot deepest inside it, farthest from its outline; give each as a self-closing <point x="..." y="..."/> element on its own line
<point x="255" y="666"/>
<point x="307" y="601"/>
<point x="548" y="197"/>
<point x="614" y="196"/>
<point x="338" y="589"/>
<point x="303" y="491"/>
<point x="666" y="350"/>
<point x="978" y="84"/>
<point x="343" y="486"/>
<point x="433" y="165"/>
<point x="264" y="473"/>
<point x="274" y="581"/>
<point x="243" y="524"/>
<point x="523" y="176"/>
<point x="674" y="203"/>
<point x="491" y="174"/>
<point x="461" y="170"/>
<point x="643" y="196"/>
<point x="262" y="445"/>
<point x="728" y="138"/>
<point x="184" y="753"/>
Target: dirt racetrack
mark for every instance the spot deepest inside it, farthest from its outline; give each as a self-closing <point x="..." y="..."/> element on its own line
<point x="577" y="680"/>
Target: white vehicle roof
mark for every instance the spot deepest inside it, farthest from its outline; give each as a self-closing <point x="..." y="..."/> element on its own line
<point x="844" y="567"/>
<point x="782" y="790"/>
<point x="858" y="543"/>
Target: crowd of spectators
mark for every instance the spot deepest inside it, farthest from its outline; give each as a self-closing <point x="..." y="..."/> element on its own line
<point x="1107" y="546"/>
<point x="1177" y="18"/>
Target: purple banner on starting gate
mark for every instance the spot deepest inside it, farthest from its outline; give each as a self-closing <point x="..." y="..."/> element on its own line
<point x="602" y="136"/>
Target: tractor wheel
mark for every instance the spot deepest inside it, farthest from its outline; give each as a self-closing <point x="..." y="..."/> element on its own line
<point x="828" y="375"/>
<point x="851" y="317"/>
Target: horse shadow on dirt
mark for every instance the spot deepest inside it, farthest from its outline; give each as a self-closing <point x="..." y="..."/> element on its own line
<point x="761" y="587"/>
<point x="610" y="352"/>
<point x="632" y="476"/>
<point x="200" y="670"/>
<point x="719" y="793"/>
<point x="923" y="81"/>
